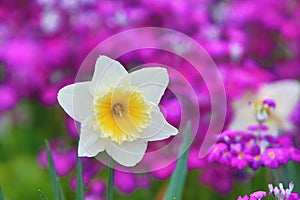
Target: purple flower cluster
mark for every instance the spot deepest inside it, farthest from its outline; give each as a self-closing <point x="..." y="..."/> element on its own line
<point x="278" y="193"/>
<point x="215" y="171"/>
<point x="254" y="196"/>
<point x="241" y="149"/>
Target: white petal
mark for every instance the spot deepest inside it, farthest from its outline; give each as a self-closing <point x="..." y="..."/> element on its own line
<point x="152" y="81"/>
<point x="156" y="124"/>
<point x="128" y="153"/>
<point x="243" y="114"/>
<point x="159" y="128"/>
<point x="286" y="94"/>
<point x="90" y="142"/>
<point x="107" y="74"/>
<point x="76" y="100"/>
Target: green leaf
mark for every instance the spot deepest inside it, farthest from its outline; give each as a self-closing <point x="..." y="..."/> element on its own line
<point x="293" y="174"/>
<point x="55" y="183"/>
<point x="79" y="181"/>
<point x="176" y="186"/>
<point x="1" y="194"/>
<point x="110" y="190"/>
<point x="43" y="196"/>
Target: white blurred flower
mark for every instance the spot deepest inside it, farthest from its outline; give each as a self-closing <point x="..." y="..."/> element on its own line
<point x="279" y="192"/>
<point x="285" y="93"/>
<point x="118" y="111"/>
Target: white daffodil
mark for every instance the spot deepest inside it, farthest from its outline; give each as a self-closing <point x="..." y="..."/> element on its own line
<point x="118" y="111"/>
<point x="285" y="94"/>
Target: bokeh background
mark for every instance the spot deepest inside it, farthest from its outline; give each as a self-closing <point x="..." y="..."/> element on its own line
<point x="44" y="42"/>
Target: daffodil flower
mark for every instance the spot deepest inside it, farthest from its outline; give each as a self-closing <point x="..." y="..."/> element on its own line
<point x="285" y="94"/>
<point x="118" y="111"/>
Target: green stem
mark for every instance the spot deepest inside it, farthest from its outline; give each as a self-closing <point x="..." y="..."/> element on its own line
<point x="293" y="169"/>
<point x="275" y="176"/>
<point x="284" y="175"/>
<point x="110" y="193"/>
<point x="260" y="136"/>
<point x="1" y="194"/>
<point x="79" y="181"/>
<point x="252" y="183"/>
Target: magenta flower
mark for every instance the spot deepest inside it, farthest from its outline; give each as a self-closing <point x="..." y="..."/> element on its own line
<point x="239" y="161"/>
<point x="255" y="162"/>
<point x="221" y="153"/>
<point x="128" y="182"/>
<point x="258" y="195"/>
<point x="91" y="168"/>
<point x="71" y="127"/>
<point x="194" y="162"/>
<point x="273" y="157"/>
<point x="236" y="148"/>
<point x="294" y="196"/>
<point x="254" y="196"/>
<point x="294" y="153"/>
<point x="8" y="97"/>
<point x="48" y="96"/>
<point x="165" y="172"/>
<point x="222" y="173"/>
<point x="243" y="198"/>
<point x="125" y="182"/>
<point x="96" y="191"/>
<point x="64" y="160"/>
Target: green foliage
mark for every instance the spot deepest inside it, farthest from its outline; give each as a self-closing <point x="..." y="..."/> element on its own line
<point x="55" y="183"/>
<point x="177" y="182"/>
<point x="110" y="189"/>
<point x="292" y="169"/>
<point x="42" y="195"/>
<point x="1" y="194"/>
<point x="79" y="181"/>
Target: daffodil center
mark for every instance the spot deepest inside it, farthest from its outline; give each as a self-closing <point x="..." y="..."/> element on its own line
<point x="121" y="114"/>
<point x="118" y="110"/>
<point x="262" y="109"/>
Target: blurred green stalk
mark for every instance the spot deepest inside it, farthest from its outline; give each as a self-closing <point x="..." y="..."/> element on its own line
<point x="176" y="186"/>
<point x="79" y="181"/>
<point x="1" y="194"/>
<point x="42" y="195"/>
<point x="55" y="183"/>
<point x="110" y="192"/>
